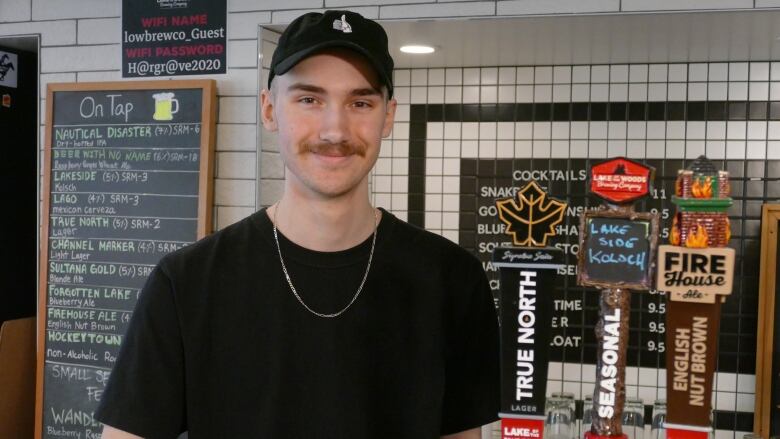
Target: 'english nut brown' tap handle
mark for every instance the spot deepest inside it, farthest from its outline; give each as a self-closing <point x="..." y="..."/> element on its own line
<point x="697" y="271"/>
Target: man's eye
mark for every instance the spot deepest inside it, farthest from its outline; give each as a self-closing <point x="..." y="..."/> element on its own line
<point x="362" y="104"/>
<point x="306" y="100"/>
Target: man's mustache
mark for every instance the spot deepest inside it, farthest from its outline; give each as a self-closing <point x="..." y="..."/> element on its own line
<point x="334" y="149"/>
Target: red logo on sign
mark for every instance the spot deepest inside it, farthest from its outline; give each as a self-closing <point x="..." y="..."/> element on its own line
<point x="620" y="180"/>
<point x="6" y="100"/>
<point x="513" y="428"/>
<point x="678" y="433"/>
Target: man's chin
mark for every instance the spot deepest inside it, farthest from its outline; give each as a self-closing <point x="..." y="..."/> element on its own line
<point x="331" y="188"/>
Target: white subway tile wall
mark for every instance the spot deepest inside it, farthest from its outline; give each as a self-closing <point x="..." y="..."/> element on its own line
<point x="736" y="125"/>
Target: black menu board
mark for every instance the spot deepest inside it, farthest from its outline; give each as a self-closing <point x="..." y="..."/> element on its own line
<point x="127" y="179"/>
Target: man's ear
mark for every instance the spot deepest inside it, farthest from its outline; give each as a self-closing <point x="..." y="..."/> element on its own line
<point x="387" y="128"/>
<point x="267" y="113"/>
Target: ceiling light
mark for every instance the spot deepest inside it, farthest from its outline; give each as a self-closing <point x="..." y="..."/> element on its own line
<point x="417" y="49"/>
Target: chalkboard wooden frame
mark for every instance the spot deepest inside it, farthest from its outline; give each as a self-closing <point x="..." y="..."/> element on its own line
<point x="766" y="380"/>
<point x="584" y="278"/>
<point x="205" y="188"/>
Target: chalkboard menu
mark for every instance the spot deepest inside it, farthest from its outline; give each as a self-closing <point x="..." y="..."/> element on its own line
<point x="127" y="179"/>
<point x="616" y="251"/>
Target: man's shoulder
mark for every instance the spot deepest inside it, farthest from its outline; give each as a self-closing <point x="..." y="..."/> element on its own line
<point x="220" y="246"/>
<point x="424" y="243"/>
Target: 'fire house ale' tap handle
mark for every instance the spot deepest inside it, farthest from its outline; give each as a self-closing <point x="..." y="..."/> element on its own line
<point x="697" y="272"/>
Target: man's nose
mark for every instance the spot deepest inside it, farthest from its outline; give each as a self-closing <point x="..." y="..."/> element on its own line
<point x="335" y="126"/>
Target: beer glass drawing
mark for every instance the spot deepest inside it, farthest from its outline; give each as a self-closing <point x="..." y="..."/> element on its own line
<point x="165" y="106"/>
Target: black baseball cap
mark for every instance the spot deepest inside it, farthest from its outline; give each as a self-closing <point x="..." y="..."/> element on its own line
<point x="316" y="31"/>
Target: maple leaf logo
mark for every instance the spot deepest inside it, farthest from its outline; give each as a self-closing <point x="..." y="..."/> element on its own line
<point x="531" y="220"/>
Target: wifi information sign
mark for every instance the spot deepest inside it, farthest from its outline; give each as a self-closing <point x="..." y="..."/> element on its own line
<point x="173" y="37"/>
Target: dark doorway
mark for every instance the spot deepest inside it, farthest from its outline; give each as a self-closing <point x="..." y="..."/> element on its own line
<point x="20" y="175"/>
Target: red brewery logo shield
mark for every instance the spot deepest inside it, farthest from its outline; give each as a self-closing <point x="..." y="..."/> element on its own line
<point x="522" y="428"/>
<point x="620" y="180"/>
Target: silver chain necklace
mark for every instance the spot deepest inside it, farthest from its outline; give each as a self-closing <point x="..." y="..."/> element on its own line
<point x="295" y="292"/>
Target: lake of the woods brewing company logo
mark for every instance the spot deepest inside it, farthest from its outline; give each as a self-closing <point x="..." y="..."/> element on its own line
<point x="620" y="180"/>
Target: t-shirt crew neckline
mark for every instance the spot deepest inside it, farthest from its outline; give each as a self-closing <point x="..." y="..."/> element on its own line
<point x="314" y="258"/>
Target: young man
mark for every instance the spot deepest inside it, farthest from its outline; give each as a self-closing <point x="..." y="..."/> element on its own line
<point x="321" y="316"/>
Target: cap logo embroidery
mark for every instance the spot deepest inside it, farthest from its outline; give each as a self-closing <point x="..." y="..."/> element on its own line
<point x="342" y="25"/>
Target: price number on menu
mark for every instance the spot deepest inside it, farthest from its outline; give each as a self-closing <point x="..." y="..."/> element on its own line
<point x="657" y="327"/>
<point x="656" y="308"/>
<point x="663" y="213"/>
<point x="654" y="346"/>
<point x="658" y="194"/>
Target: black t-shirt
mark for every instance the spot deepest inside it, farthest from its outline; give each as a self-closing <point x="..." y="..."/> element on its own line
<point x="219" y="346"/>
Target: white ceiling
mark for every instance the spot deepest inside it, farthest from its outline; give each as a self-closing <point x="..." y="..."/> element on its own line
<point x="576" y="39"/>
<point x="595" y="39"/>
